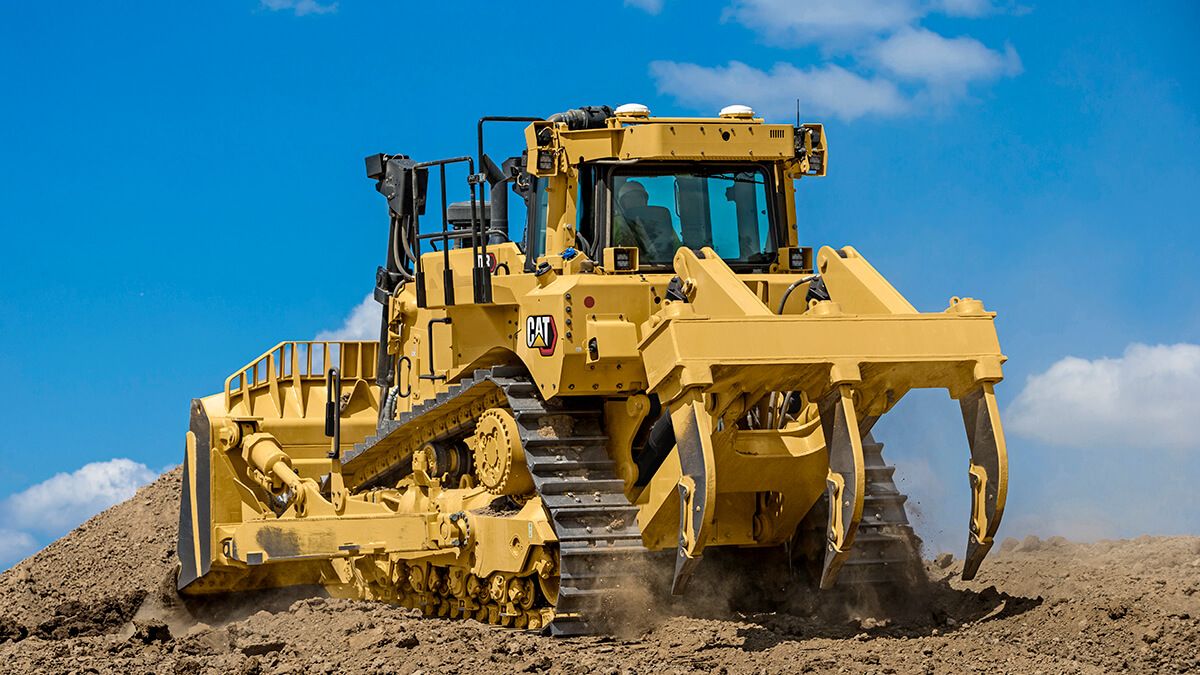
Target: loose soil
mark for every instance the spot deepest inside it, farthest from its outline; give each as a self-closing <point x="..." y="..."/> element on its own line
<point x="100" y="600"/>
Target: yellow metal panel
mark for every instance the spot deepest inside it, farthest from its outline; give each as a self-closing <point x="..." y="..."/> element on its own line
<point x="712" y="140"/>
<point x="859" y="287"/>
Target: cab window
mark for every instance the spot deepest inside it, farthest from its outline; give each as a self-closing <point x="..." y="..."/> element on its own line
<point x="726" y="208"/>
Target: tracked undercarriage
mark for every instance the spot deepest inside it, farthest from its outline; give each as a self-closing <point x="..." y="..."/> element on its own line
<point x="566" y="472"/>
<point x="657" y="368"/>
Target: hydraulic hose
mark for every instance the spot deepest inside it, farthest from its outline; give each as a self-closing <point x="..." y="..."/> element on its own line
<point x="795" y="284"/>
<point x="398" y="239"/>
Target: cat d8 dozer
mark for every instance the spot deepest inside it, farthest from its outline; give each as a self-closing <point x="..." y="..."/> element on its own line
<point x="656" y="368"/>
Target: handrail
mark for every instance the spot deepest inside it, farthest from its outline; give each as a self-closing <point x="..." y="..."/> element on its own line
<point x="290" y="363"/>
<point x="481" y="283"/>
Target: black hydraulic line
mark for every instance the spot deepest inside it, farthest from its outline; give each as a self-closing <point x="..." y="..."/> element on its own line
<point x="400" y="243"/>
<point x="405" y="247"/>
<point x="795" y="284"/>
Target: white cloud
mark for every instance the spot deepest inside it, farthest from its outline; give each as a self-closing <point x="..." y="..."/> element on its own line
<point x="67" y="499"/>
<point x="822" y="21"/>
<point x="300" y="7"/>
<point x="648" y="6"/>
<point x="825" y="90"/>
<point x="944" y="63"/>
<point x="1142" y="401"/>
<point x="50" y="508"/>
<point x="362" y="324"/>
<point x="887" y="64"/>
<point x="15" y="546"/>
<point x="840" y="22"/>
<point x="966" y="8"/>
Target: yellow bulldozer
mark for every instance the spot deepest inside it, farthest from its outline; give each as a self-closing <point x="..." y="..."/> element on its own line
<point x="656" y="368"/>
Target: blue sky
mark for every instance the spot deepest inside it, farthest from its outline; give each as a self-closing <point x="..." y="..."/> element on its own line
<point x="182" y="187"/>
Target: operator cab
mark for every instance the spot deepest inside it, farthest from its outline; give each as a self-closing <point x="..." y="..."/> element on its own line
<point x="658" y="207"/>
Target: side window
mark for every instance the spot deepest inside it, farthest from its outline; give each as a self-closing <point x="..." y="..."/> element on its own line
<point x="535" y="233"/>
<point x="585" y="225"/>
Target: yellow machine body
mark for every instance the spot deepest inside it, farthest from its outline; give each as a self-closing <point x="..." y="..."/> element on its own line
<point x="495" y="456"/>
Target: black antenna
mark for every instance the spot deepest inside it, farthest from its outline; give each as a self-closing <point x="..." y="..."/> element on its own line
<point x="797" y="112"/>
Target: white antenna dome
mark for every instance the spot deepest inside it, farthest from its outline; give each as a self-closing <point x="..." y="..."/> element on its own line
<point x="737" y="111"/>
<point x="633" y="110"/>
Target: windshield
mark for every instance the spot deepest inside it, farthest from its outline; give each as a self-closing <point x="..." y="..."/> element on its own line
<point x="725" y="208"/>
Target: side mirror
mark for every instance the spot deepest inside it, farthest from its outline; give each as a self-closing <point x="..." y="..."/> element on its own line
<point x="400" y="181"/>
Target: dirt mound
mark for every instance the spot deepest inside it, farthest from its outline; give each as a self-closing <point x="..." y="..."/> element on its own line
<point x="100" y="600"/>
<point x="112" y="560"/>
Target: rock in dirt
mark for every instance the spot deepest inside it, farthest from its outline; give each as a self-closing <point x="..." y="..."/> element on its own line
<point x="147" y="632"/>
<point x="11" y="631"/>
<point x="536" y="665"/>
<point x="258" y="648"/>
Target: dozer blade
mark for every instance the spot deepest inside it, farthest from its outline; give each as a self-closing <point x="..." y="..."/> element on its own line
<point x="195" y="507"/>
<point x="988" y="473"/>
<point x="694" y="441"/>
<point x="845" y="483"/>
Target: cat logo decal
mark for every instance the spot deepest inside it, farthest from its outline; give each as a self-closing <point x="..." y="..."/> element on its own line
<point x="541" y="334"/>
